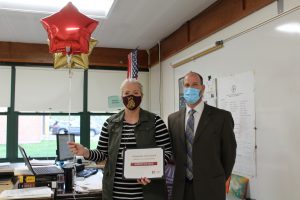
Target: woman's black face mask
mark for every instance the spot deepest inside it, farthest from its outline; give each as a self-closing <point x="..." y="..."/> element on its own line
<point x="132" y="102"/>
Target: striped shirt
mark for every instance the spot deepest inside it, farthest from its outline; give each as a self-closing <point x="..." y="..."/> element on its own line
<point x="129" y="189"/>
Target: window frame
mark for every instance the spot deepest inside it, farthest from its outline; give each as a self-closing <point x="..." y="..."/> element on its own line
<point x="44" y="114"/>
<point x="5" y="114"/>
<point x="13" y="116"/>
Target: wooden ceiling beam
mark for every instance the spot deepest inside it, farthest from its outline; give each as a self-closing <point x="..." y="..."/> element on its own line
<point x="219" y="15"/>
<point x="15" y="52"/>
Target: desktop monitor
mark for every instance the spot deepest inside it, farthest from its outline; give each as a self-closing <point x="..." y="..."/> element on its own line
<point x="63" y="151"/>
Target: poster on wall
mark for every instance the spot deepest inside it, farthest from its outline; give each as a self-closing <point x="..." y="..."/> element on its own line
<point x="114" y="102"/>
<point x="210" y="94"/>
<point x="236" y="94"/>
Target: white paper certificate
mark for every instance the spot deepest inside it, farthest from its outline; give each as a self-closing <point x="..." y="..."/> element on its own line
<point x="140" y="163"/>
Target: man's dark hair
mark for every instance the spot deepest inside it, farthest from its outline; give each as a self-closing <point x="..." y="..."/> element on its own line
<point x="195" y="73"/>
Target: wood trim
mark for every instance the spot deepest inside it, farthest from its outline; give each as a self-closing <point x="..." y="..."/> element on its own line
<point x="175" y="41"/>
<point x="23" y="52"/>
<point x="216" y="18"/>
<point x="39" y="54"/>
<point x="251" y="5"/>
<point x="116" y="57"/>
<point x="219" y="15"/>
<point x="154" y="53"/>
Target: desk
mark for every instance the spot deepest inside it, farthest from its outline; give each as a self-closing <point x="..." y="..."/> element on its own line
<point x="94" y="185"/>
<point x="88" y="196"/>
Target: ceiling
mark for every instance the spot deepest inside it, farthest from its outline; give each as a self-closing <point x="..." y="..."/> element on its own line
<point x="131" y="23"/>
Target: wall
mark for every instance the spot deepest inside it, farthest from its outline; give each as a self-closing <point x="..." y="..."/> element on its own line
<point x="274" y="59"/>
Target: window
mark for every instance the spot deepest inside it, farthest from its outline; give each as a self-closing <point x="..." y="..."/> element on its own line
<point x="48" y="90"/>
<point x="3" y="131"/>
<point x="37" y="133"/>
<point x="42" y="100"/>
<point x="5" y="86"/>
<point x="96" y="123"/>
<point x="3" y="109"/>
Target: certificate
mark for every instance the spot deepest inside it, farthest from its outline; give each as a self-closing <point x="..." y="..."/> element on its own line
<point x="148" y="162"/>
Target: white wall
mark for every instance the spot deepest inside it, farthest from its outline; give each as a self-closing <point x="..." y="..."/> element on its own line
<point x="154" y="89"/>
<point x="274" y="59"/>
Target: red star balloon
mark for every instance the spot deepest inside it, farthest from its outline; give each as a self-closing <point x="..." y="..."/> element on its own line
<point x="69" y="31"/>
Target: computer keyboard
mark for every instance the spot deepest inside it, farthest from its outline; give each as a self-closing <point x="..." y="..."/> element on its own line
<point x="87" y="172"/>
<point x="47" y="170"/>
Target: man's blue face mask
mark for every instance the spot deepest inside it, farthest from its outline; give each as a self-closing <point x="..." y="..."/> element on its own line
<point x="191" y="95"/>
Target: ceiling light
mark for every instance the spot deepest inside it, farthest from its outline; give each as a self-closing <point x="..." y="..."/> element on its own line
<point x="91" y="8"/>
<point x="289" y="28"/>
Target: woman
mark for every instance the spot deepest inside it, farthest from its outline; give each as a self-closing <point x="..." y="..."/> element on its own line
<point x="133" y="127"/>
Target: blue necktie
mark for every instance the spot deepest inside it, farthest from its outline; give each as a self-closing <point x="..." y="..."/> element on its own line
<point x="189" y="134"/>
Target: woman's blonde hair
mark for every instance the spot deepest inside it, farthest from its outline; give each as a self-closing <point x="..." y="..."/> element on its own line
<point x="131" y="81"/>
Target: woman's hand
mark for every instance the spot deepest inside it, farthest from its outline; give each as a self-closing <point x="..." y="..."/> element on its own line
<point x="143" y="181"/>
<point x="78" y="149"/>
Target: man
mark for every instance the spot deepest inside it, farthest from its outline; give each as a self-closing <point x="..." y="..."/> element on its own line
<point x="204" y="145"/>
